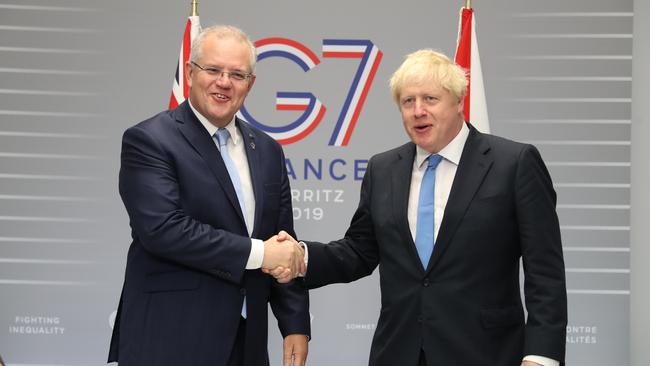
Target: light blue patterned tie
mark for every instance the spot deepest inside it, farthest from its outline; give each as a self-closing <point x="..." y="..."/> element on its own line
<point x="424" y="239"/>
<point x="222" y="136"/>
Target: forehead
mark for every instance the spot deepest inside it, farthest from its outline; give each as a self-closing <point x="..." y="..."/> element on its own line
<point x="225" y="51"/>
<point x="422" y="87"/>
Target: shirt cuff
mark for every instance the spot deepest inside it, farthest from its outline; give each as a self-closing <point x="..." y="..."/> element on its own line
<point x="304" y="247"/>
<point x="256" y="257"/>
<point x="544" y="361"/>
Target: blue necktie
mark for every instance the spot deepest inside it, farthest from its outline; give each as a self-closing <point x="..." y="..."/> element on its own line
<point x="424" y="239"/>
<point x="222" y="137"/>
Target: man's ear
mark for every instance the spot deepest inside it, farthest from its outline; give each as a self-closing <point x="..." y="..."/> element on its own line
<point x="461" y="105"/>
<point x="251" y="81"/>
<point x="188" y="73"/>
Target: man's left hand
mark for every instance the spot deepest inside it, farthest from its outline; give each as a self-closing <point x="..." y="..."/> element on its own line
<point x="295" y="350"/>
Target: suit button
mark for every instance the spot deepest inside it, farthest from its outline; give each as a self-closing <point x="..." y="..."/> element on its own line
<point x="426" y="282"/>
<point x="242" y="291"/>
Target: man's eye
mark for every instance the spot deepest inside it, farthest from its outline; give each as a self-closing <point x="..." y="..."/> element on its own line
<point x="237" y="76"/>
<point x="213" y="71"/>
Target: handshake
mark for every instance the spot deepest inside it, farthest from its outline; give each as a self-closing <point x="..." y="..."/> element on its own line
<point x="284" y="258"/>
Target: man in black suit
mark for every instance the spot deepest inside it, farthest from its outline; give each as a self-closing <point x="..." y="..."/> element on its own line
<point x="200" y="186"/>
<point x="447" y="217"/>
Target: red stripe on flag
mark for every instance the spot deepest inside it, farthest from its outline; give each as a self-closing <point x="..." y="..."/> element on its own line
<point x="187" y="47"/>
<point x="173" y="104"/>
<point x="464" y="52"/>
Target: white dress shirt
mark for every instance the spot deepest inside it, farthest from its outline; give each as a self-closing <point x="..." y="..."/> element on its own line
<point x="237" y="152"/>
<point x="445" y="173"/>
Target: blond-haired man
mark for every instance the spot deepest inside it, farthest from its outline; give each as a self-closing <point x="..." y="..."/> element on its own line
<point x="447" y="217"/>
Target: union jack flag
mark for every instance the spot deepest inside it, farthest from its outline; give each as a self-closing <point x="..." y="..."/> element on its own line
<point x="179" y="86"/>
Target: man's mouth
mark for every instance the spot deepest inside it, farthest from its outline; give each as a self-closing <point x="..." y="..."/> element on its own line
<point x="221" y="96"/>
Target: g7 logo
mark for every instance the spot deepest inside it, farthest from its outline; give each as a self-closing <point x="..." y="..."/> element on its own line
<point x="313" y="110"/>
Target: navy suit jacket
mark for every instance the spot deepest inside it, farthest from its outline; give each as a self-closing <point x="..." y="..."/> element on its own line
<point x="465" y="307"/>
<point x="185" y="278"/>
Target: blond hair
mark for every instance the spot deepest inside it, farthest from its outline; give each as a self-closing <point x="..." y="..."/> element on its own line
<point x="429" y="66"/>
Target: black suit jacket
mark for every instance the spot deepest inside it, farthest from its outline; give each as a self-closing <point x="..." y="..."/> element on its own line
<point x="185" y="278"/>
<point x="465" y="308"/>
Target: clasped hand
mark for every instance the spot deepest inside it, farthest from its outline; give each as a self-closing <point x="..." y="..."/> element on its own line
<point x="284" y="258"/>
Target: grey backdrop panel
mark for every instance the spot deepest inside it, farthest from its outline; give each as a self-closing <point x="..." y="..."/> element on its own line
<point x="74" y="74"/>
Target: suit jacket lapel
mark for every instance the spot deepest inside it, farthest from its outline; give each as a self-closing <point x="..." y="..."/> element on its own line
<point x="254" y="166"/>
<point x="200" y="140"/>
<point x="475" y="162"/>
<point x="401" y="183"/>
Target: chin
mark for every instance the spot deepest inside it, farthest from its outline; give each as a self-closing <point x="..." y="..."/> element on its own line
<point x="219" y="116"/>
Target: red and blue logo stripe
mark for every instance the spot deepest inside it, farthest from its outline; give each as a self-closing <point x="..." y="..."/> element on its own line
<point x="370" y="57"/>
<point x="313" y="109"/>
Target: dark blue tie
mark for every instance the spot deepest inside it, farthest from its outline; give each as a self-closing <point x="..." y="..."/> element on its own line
<point x="424" y="239"/>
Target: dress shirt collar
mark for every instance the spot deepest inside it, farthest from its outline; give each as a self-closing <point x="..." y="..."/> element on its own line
<point x="212" y="129"/>
<point x="451" y="152"/>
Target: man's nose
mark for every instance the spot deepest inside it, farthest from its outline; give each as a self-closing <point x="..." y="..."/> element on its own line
<point x="223" y="80"/>
<point x="418" y="108"/>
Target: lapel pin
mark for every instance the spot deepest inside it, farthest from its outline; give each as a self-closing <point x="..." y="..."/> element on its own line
<point x="252" y="144"/>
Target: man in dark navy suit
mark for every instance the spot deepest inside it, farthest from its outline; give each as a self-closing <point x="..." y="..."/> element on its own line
<point x="201" y="188"/>
<point x="447" y="217"/>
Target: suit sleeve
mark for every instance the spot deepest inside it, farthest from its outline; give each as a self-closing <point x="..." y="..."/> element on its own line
<point x="544" y="285"/>
<point x="353" y="257"/>
<point x="289" y="302"/>
<point x="149" y="187"/>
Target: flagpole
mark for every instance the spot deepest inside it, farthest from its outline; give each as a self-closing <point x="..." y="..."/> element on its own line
<point x="195" y="11"/>
<point x="468" y="4"/>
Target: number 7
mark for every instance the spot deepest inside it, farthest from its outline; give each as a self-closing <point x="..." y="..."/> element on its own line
<point x="370" y="57"/>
